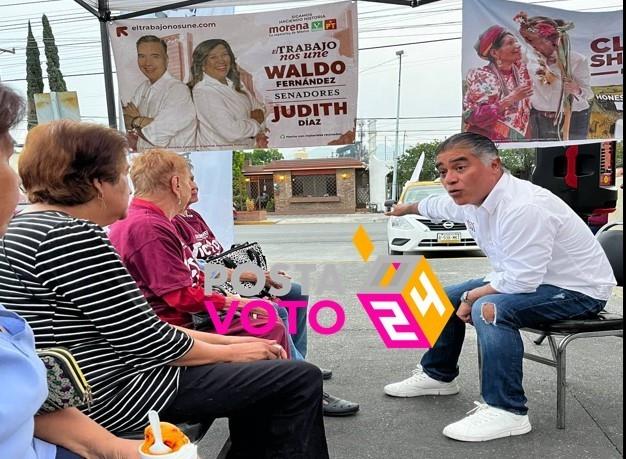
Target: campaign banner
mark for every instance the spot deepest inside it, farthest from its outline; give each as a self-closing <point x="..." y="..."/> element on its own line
<point x="541" y="76"/>
<point x="263" y="80"/>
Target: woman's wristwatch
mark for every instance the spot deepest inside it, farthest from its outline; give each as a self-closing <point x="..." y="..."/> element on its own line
<point x="465" y="297"/>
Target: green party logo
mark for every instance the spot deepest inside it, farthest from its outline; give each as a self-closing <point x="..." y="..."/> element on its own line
<point x="317" y="25"/>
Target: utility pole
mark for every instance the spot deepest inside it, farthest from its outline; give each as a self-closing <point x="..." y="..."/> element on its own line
<point x="385" y="137"/>
<point x="394" y="183"/>
<point x="372" y="138"/>
<point x="404" y="142"/>
<point x="361" y="144"/>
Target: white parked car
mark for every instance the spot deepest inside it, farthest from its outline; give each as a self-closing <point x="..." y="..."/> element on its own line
<point x="414" y="233"/>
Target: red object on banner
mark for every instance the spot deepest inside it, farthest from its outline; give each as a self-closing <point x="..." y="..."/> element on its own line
<point x="571" y="154"/>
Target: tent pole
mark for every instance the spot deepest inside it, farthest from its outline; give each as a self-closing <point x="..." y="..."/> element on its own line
<point x="103" y="17"/>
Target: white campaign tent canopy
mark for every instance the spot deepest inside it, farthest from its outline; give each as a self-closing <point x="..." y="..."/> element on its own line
<point x="135" y="5"/>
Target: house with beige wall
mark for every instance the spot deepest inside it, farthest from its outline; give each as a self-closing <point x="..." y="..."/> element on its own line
<point x="310" y="186"/>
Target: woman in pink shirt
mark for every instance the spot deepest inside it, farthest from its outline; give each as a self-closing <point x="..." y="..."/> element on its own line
<point x="162" y="265"/>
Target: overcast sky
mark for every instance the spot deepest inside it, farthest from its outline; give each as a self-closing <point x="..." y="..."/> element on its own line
<point x="431" y="72"/>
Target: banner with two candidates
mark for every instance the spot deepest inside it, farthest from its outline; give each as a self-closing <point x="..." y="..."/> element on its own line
<point x="536" y="74"/>
<point x="276" y="79"/>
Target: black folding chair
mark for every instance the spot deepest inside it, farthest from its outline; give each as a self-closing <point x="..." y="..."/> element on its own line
<point x="605" y="324"/>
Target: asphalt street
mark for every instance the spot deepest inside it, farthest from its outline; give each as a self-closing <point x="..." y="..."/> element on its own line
<point x="388" y="428"/>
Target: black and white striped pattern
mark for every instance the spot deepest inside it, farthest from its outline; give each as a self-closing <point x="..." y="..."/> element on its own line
<point x="81" y="297"/>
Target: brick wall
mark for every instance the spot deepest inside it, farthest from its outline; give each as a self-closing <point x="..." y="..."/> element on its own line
<point x="344" y="202"/>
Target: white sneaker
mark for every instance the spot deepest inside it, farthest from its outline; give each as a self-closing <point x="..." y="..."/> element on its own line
<point x="488" y="423"/>
<point x="421" y="384"/>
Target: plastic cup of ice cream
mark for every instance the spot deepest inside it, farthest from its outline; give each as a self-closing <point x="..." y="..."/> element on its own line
<point x="188" y="451"/>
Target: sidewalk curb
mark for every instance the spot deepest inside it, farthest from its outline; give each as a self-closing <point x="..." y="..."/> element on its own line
<point x="321" y="222"/>
<point x="260" y="222"/>
<point x="317" y="219"/>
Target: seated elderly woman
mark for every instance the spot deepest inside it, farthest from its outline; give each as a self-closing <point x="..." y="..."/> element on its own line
<point x="201" y="241"/>
<point x="199" y="238"/>
<point x="163" y="267"/>
<point x="61" y="434"/>
<point x="75" y="293"/>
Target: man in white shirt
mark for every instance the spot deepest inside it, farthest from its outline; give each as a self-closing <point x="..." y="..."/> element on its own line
<point x="161" y="111"/>
<point x="546" y="264"/>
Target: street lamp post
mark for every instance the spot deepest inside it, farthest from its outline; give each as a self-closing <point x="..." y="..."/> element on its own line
<point x="394" y="183"/>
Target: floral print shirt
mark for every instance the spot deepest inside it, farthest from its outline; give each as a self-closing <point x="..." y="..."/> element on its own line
<point x="484" y="90"/>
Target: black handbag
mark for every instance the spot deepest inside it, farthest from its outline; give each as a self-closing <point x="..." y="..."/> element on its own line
<point x="67" y="385"/>
<point x="202" y="321"/>
<point x="238" y="254"/>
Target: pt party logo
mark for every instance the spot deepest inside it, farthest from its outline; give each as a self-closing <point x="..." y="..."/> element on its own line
<point x="403" y="298"/>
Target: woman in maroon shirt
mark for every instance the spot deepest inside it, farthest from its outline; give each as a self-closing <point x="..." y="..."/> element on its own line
<point x="162" y="265"/>
<point x="203" y="244"/>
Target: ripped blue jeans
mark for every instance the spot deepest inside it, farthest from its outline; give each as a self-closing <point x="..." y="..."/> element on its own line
<point x="499" y="339"/>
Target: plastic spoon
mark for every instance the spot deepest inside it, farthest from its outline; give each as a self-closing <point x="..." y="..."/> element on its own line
<point x="159" y="447"/>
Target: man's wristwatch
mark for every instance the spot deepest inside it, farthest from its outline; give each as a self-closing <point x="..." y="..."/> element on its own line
<point x="465" y="297"/>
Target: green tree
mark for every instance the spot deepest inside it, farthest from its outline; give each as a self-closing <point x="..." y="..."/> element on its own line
<point x="55" y="77"/>
<point x="34" y="78"/>
<point x="619" y="154"/>
<point x="264" y="156"/>
<point x="239" y="181"/>
<point x="408" y="160"/>
<point x="519" y="161"/>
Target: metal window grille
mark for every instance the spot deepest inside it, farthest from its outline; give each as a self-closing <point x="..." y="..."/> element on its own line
<point x="260" y="190"/>
<point x="314" y="185"/>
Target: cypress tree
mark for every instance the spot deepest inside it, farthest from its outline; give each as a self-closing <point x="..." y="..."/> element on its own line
<point x="34" y="77"/>
<point x="55" y="77"/>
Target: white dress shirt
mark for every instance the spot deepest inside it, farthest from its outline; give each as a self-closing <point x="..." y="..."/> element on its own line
<point x="546" y="96"/>
<point x="168" y="102"/>
<point x="224" y="115"/>
<point x="531" y="237"/>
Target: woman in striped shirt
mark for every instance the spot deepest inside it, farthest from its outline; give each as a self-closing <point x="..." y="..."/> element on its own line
<point x="23" y="374"/>
<point x="62" y="275"/>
